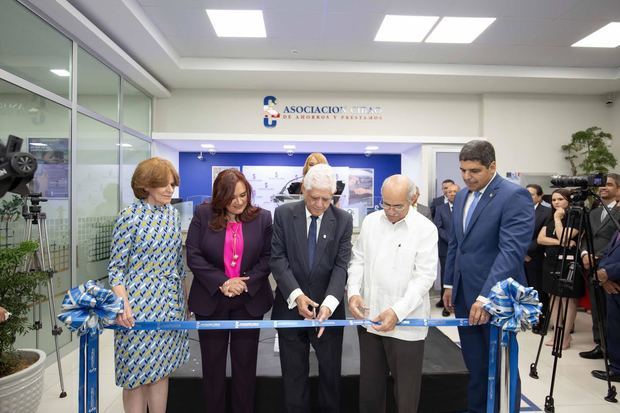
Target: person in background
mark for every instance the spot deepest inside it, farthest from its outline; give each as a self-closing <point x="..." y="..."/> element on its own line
<point x="603" y="229"/>
<point x="535" y="252"/>
<point x="314" y="158"/>
<point x="492" y="225"/>
<point x="443" y="222"/>
<point x="551" y="236"/>
<point x="146" y="271"/>
<point x="421" y="208"/>
<point x="228" y="251"/>
<point x="393" y="267"/>
<point x="310" y="254"/>
<point x="443" y="198"/>
<point x="609" y="272"/>
<point x="4" y="315"/>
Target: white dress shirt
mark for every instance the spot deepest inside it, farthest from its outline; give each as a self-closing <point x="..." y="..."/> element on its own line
<point x="395" y="266"/>
<point x="330" y="301"/>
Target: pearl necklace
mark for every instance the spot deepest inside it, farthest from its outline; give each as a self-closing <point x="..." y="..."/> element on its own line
<point x="235" y="257"/>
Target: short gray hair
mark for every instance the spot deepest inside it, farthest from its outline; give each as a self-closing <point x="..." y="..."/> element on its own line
<point x="411" y="187"/>
<point x="320" y="176"/>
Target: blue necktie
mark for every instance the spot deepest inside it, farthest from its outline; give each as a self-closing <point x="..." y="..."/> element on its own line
<point x="471" y="209"/>
<point x="312" y="241"/>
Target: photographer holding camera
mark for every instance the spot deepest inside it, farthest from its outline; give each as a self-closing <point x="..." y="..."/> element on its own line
<point x="603" y="229"/>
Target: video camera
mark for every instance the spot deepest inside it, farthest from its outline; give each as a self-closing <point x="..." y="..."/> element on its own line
<point x="16" y="168"/>
<point x="583" y="181"/>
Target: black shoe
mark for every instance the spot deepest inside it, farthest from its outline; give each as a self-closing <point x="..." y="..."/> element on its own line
<point x="439" y="304"/>
<point x="595" y="353"/>
<point x="445" y="312"/>
<point x="602" y="375"/>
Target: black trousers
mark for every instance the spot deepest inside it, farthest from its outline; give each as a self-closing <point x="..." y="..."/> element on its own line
<point x="380" y="356"/>
<point x="294" y="361"/>
<point x="243" y="356"/>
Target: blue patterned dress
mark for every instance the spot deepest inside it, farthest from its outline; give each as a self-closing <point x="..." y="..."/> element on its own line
<point x="147" y="259"/>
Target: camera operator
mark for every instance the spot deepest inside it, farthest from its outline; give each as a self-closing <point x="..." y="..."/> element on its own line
<point x="603" y="229"/>
<point x="609" y="272"/>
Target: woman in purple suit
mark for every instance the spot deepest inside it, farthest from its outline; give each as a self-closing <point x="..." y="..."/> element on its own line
<point x="228" y="251"/>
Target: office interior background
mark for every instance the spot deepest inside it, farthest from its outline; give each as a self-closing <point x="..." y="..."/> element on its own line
<point x="108" y="84"/>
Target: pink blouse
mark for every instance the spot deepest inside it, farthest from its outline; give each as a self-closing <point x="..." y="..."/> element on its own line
<point x="233" y="249"/>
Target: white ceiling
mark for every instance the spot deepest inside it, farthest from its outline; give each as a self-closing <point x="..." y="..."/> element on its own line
<point x="527" y="49"/>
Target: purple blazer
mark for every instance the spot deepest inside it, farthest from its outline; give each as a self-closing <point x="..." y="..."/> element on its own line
<point x="205" y="257"/>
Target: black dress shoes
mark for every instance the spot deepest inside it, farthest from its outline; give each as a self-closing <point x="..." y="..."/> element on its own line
<point x="593" y="354"/>
<point x="439" y="304"/>
<point x="445" y="312"/>
<point x="602" y="374"/>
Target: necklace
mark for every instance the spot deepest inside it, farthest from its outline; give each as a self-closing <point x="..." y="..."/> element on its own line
<point x="235" y="230"/>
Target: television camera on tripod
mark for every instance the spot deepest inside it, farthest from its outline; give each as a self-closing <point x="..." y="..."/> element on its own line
<point x="568" y="266"/>
<point x="17" y="169"/>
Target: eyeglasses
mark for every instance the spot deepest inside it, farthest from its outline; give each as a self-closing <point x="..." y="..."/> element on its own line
<point x="397" y="208"/>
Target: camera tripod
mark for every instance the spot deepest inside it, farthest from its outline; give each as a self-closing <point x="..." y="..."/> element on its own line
<point x="565" y="270"/>
<point x="42" y="261"/>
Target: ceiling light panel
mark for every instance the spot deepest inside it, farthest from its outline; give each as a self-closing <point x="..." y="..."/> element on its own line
<point x="459" y="29"/>
<point x="410" y="29"/>
<point x="61" y="72"/>
<point x="607" y="36"/>
<point x="237" y="23"/>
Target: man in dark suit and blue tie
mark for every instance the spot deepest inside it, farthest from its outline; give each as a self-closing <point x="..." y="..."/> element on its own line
<point x="443" y="222"/>
<point x="443" y="198"/>
<point x="311" y="248"/>
<point x="608" y="273"/>
<point x="492" y="225"/>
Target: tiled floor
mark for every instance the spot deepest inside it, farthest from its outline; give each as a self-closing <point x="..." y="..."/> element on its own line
<point x="575" y="391"/>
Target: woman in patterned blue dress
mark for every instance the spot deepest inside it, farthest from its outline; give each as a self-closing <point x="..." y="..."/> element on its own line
<point x="146" y="270"/>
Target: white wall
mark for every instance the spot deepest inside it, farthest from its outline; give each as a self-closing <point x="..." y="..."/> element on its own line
<point x="527" y="130"/>
<point x="166" y="152"/>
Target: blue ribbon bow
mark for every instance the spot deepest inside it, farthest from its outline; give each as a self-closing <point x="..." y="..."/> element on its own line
<point x="94" y="304"/>
<point x="513" y="308"/>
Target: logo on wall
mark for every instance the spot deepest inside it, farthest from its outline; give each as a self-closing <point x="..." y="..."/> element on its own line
<point x="270" y="113"/>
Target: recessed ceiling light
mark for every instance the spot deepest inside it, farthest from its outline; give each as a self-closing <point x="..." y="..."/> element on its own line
<point x="125" y="145"/>
<point x="371" y="148"/>
<point x="60" y="72"/>
<point x="207" y="145"/>
<point x="606" y="36"/>
<point x="294" y="51"/>
<point x="459" y="29"/>
<point x="237" y="23"/>
<point x="288" y="146"/>
<point x="404" y="28"/>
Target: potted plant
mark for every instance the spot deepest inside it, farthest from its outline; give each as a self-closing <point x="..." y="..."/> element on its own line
<point x="21" y="371"/>
<point x="590" y="148"/>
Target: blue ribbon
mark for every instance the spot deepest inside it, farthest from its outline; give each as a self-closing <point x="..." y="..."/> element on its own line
<point x="513" y="308"/>
<point x="88" y="309"/>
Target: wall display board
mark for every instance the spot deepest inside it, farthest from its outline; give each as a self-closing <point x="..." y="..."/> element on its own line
<point x="215" y="170"/>
<point x="52" y="175"/>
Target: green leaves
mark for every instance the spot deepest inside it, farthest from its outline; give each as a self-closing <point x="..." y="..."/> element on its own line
<point x="591" y="147"/>
<point x="18" y="291"/>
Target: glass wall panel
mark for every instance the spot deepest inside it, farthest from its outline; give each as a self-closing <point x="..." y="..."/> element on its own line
<point x="98" y="86"/>
<point x="96" y="177"/>
<point x="45" y="128"/>
<point x="30" y="48"/>
<point x="136" y="109"/>
<point x="135" y="150"/>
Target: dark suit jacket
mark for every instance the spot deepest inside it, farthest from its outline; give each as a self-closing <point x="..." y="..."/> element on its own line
<point x="541" y="214"/>
<point x="602" y="232"/>
<point x="205" y="257"/>
<point x="435" y="203"/>
<point x="424" y="210"/>
<point x="494" y="245"/>
<point x="289" y="257"/>
<point x="443" y="222"/>
<point x="611" y="259"/>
